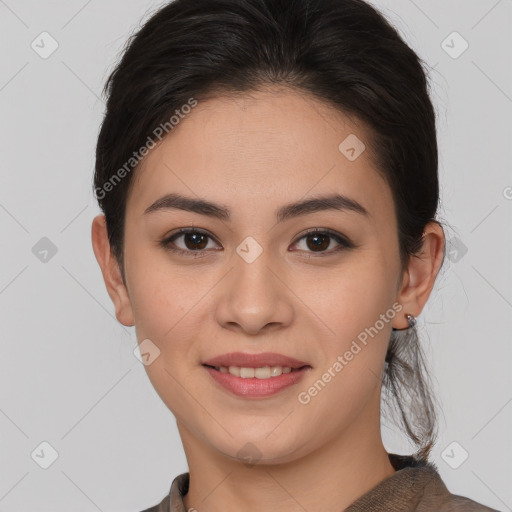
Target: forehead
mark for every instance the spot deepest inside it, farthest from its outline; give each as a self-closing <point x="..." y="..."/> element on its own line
<point x="261" y="148"/>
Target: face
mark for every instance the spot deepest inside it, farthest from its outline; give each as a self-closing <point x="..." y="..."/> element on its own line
<point x="250" y="277"/>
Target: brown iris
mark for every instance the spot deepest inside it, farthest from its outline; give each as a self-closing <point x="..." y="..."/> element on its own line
<point x="321" y="241"/>
<point x="199" y="241"/>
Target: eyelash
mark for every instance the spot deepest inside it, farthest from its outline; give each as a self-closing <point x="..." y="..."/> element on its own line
<point x="167" y="243"/>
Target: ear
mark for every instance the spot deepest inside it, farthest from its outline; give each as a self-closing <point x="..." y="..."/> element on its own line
<point x="420" y="275"/>
<point x="111" y="271"/>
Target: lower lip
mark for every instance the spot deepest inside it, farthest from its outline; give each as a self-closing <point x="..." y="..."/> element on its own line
<point x="253" y="387"/>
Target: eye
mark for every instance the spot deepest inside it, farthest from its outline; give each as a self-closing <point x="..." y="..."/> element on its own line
<point x="318" y="241"/>
<point x="194" y="241"/>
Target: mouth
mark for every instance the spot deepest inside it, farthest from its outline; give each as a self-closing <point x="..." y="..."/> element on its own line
<point x="255" y="376"/>
<point x="248" y="362"/>
<point x="260" y="372"/>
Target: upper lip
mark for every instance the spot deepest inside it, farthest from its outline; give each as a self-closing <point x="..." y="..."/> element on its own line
<point x="255" y="360"/>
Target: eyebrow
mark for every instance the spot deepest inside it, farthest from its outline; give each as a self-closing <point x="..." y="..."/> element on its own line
<point x="203" y="207"/>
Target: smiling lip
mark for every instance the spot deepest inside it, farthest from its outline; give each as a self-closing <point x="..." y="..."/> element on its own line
<point x="254" y="387"/>
<point x="254" y="360"/>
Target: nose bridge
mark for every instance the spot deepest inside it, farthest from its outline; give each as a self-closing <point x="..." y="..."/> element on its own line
<point x="252" y="278"/>
<point x="256" y="297"/>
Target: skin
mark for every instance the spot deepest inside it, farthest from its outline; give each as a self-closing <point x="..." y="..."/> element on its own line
<point x="253" y="154"/>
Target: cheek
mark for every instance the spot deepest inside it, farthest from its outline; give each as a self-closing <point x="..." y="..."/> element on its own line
<point x="355" y="304"/>
<point x="351" y="298"/>
<point x="162" y="295"/>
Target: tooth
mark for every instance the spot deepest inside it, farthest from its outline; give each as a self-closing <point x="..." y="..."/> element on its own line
<point x="246" y="372"/>
<point x="234" y="370"/>
<point x="275" y="371"/>
<point x="262" y="373"/>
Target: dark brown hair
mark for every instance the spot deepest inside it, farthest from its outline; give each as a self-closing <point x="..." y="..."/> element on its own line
<point x="341" y="51"/>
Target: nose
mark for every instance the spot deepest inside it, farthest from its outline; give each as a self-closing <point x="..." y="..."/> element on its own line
<point x="255" y="297"/>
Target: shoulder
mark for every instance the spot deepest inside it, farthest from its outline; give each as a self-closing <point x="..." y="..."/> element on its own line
<point x="434" y="494"/>
<point x="454" y="503"/>
<point x="416" y="486"/>
<point x="163" y="506"/>
<point x="173" y="501"/>
<point x="438" y="497"/>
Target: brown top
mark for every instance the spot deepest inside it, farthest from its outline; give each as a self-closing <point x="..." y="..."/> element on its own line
<point x="415" y="487"/>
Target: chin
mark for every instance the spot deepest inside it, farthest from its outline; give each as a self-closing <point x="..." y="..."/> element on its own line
<point x="257" y="447"/>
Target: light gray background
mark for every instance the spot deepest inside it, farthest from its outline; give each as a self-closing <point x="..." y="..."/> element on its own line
<point x="68" y="375"/>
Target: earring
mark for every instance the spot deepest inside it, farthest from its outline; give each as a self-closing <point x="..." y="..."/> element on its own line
<point x="411" y="320"/>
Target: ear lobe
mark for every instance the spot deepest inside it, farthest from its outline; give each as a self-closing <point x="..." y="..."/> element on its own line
<point x="111" y="272"/>
<point x="422" y="270"/>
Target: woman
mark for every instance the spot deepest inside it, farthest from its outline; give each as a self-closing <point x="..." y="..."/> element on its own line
<point x="267" y="171"/>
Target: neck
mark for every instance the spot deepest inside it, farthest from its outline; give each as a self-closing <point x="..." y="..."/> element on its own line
<point x="331" y="477"/>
